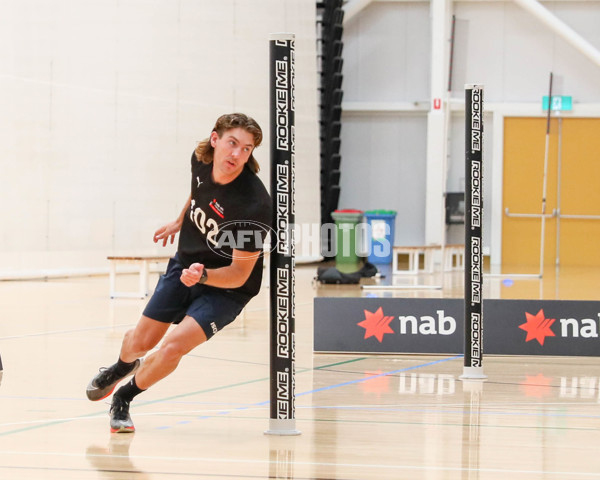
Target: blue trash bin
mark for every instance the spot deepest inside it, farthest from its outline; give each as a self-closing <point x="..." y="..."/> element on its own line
<point x="381" y="235"/>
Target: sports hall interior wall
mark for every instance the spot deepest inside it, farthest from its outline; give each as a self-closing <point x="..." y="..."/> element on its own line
<point x="387" y="99"/>
<point x="102" y="106"/>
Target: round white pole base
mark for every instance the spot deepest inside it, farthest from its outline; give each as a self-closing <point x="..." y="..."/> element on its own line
<point x="473" y="373"/>
<point x="282" y="427"/>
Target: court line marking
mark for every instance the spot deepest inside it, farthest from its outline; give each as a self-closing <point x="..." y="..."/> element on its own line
<point x="51" y="422"/>
<point x="58" y="332"/>
<point x="384" y="374"/>
<point x="536" y="428"/>
<point x="205" y="460"/>
<point x="330" y="387"/>
<point x="373" y="408"/>
<point x="433" y="408"/>
<point x="222" y="387"/>
<point x="43" y="423"/>
<point x="259" y="405"/>
<point x="154" y="473"/>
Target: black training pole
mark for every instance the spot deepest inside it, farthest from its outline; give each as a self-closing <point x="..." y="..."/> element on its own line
<point x="473" y="365"/>
<point x="282" y="418"/>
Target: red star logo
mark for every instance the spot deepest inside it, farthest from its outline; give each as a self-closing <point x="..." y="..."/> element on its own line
<point x="538" y="327"/>
<point x="376" y="324"/>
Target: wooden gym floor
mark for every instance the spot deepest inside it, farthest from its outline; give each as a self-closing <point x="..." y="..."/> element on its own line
<point x="361" y="416"/>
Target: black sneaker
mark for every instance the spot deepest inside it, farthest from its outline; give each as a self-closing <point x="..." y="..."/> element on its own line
<point x="103" y="384"/>
<point x="120" y="420"/>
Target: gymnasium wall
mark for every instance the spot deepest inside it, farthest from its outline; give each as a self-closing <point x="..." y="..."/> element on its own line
<point x="103" y="103"/>
<point x="387" y="64"/>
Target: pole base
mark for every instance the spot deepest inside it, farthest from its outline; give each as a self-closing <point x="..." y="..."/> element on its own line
<point x="282" y="427"/>
<point x="473" y="373"/>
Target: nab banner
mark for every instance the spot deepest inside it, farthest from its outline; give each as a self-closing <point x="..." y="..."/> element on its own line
<point x="436" y="326"/>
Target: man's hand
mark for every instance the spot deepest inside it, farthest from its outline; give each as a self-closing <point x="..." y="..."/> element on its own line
<point x="191" y="276"/>
<point x="167" y="231"/>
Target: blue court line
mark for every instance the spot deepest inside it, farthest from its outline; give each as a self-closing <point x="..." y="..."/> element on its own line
<point x="247" y="382"/>
<point x="246" y="407"/>
<point x="322" y="389"/>
<point x="385" y="374"/>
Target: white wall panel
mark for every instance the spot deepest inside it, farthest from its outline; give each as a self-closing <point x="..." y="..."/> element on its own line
<point x="382" y="48"/>
<point x="383" y="167"/>
<point x="103" y="103"/>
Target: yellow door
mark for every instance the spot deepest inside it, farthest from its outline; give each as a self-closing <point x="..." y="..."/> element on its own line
<point x="580" y="192"/>
<point x="524" y="151"/>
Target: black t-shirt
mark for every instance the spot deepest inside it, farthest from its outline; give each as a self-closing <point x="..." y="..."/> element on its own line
<point x="222" y="218"/>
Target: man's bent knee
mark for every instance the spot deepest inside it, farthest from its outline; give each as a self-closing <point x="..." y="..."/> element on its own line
<point x="145" y="336"/>
<point x="171" y="352"/>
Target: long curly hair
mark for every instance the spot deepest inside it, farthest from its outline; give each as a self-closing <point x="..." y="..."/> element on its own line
<point x="205" y="151"/>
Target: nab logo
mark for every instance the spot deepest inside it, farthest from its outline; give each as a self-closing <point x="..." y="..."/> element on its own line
<point x="538" y="327"/>
<point x="376" y="324"/>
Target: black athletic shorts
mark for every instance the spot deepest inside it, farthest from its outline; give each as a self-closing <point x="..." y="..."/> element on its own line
<point x="213" y="308"/>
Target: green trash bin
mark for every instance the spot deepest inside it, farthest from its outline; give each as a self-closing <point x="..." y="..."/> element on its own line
<point x="347" y="243"/>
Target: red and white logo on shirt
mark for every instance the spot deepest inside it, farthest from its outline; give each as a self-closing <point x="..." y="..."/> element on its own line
<point x="218" y="209"/>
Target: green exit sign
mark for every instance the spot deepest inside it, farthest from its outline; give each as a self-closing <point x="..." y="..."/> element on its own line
<point x="559" y="103"/>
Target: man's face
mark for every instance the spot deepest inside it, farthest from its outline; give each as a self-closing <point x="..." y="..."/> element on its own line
<point x="232" y="151"/>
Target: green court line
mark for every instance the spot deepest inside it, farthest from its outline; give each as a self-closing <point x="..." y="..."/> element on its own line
<point x="189" y="394"/>
<point x="338" y="363"/>
<point x="247" y="382"/>
<point x="43" y="425"/>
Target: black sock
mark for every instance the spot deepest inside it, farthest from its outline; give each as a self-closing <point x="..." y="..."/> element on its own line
<point x="123" y="368"/>
<point x="129" y="390"/>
